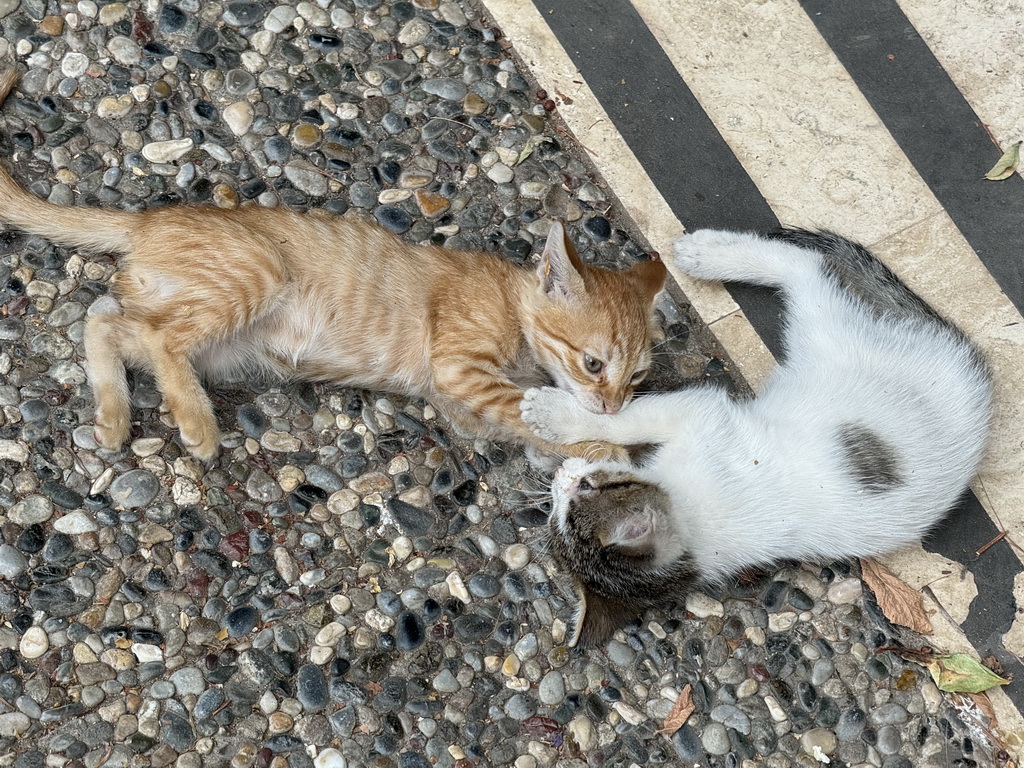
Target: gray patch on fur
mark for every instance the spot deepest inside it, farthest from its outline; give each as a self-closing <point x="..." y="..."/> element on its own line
<point x="872" y="461"/>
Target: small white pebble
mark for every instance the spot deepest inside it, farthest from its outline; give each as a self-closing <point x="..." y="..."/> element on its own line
<point x="457" y="587"/>
<point x="517" y="556"/>
<point x="34" y="643"/>
<point x="329" y="634"/>
<point x="402" y="547"/>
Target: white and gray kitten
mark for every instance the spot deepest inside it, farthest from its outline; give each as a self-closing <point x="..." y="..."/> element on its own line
<point x="860" y="441"/>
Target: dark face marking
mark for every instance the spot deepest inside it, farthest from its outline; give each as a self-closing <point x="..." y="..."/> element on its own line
<point x="618" y="581"/>
<point x="872" y="461"/>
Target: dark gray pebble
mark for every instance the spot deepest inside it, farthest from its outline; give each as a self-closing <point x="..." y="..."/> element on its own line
<point x="409" y="632"/>
<point x="484" y="585"/>
<point x="241" y="621"/>
<point x="311" y="688"/>
<point x="473" y="627"/>
<point x="598" y="228"/>
<point x="32" y="539"/>
<point x="413" y="520"/>
<point x="394" y="218"/>
<point x="344" y="692"/>
<point x="278" y="149"/>
<point x="135" y="488"/>
<point x="171" y="19"/>
<point x="244" y="14"/>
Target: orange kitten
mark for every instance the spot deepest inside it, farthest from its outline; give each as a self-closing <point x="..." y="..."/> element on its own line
<point x="204" y="292"/>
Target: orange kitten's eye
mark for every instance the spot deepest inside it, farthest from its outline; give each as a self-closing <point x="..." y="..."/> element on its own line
<point x="638" y="377"/>
<point x="592" y="364"/>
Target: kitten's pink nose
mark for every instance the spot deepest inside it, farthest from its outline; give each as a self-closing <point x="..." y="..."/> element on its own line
<point x="611" y="407"/>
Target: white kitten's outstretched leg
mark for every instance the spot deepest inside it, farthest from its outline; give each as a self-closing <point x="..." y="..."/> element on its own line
<point x="713" y="254"/>
<point x="555" y="415"/>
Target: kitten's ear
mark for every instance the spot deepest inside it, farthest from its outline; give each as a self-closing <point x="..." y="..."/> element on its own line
<point x="633" y="531"/>
<point x="560" y="269"/>
<point x="648" y="277"/>
<point x="597" y="618"/>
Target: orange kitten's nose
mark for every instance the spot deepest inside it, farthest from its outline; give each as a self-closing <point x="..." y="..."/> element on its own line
<point x="611" y="407"/>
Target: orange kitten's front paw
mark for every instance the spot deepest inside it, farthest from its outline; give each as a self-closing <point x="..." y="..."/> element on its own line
<point x="202" y="440"/>
<point x="111" y="430"/>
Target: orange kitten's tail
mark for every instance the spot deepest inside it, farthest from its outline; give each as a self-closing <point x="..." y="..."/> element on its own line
<point x="93" y="229"/>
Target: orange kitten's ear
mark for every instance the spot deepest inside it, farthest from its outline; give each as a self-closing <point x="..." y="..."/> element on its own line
<point x="597" y="618"/>
<point x="649" y="277"/>
<point x="560" y="269"/>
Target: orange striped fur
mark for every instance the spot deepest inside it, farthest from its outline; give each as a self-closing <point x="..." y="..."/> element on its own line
<point x="203" y="292"/>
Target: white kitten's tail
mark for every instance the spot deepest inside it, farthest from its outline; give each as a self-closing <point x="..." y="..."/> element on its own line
<point x="858" y="272"/>
<point x="92" y="229"/>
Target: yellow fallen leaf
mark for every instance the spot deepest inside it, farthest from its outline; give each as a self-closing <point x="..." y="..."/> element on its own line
<point x="531" y="144"/>
<point x="680" y="713"/>
<point x="899" y="602"/>
<point x="1006" y="165"/>
<point x="960" y="673"/>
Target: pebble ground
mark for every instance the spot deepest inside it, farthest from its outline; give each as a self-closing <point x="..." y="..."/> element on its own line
<point x="351" y="583"/>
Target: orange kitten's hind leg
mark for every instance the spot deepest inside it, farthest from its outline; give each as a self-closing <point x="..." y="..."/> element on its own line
<point x="168" y="351"/>
<point x="104" y="332"/>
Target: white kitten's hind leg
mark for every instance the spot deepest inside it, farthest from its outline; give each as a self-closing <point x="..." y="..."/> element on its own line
<point x="712" y="254"/>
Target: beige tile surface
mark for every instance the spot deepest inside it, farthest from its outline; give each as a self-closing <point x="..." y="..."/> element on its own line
<point x="980" y="44"/>
<point x="791" y="114"/>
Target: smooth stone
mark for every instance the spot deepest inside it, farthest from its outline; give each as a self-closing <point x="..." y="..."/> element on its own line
<point x="394" y="218"/>
<point x="239" y="117"/>
<point x="12" y="562"/>
<point x="445" y="87"/>
<point x="552" y="688"/>
<point x="34" y="643"/>
<point x="311" y="688"/>
<point x="167" y="151"/>
<point x="307" y="178"/>
<point x="409" y="631"/>
<point x="75" y="523"/>
<point x="241" y="621"/>
<point x="823" y="739"/>
<point x="31" y="510"/>
<point x="134" y="489"/>
<point x="715" y="739"/>
<point x="330" y="758"/>
<point x="500" y="173"/>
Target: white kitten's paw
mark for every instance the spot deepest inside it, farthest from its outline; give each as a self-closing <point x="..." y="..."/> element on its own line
<point x="709" y="253"/>
<point x="552" y="414"/>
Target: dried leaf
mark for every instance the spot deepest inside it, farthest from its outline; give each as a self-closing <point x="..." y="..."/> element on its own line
<point x="1006" y="164"/>
<point x="960" y="673"/>
<point x="899" y="602"/>
<point x="981" y="701"/>
<point x="531" y="144"/>
<point x="680" y="713"/>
